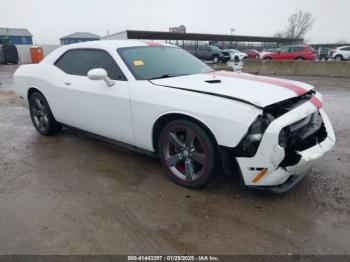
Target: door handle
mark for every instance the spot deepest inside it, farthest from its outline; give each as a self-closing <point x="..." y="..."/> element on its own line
<point x="67" y="83"/>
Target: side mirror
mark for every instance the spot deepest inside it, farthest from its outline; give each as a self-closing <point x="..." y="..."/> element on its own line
<point x="100" y="74"/>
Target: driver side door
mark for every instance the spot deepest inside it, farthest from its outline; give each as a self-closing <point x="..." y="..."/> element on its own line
<point x="92" y="105"/>
<point x="284" y="53"/>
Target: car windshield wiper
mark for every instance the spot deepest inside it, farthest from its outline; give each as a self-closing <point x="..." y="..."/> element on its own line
<point x="165" y="76"/>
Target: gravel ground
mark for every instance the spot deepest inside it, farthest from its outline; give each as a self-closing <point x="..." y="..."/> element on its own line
<point x="73" y="194"/>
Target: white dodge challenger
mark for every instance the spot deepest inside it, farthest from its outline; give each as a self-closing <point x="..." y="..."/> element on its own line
<point x="158" y="98"/>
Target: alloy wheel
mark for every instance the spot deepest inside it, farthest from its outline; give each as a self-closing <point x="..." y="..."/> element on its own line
<point x="185" y="154"/>
<point x="40" y="115"/>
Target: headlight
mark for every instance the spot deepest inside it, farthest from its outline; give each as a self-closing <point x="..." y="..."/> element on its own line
<point x="250" y="143"/>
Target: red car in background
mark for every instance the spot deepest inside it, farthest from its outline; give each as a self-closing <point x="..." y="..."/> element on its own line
<point x="296" y="52"/>
<point x="252" y="54"/>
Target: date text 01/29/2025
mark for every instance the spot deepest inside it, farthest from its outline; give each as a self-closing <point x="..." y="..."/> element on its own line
<point x="173" y="258"/>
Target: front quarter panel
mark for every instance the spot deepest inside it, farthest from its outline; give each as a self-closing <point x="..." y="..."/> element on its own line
<point x="227" y="119"/>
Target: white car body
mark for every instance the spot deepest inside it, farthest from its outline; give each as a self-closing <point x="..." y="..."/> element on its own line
<point x="227" y="107"/>
<point x="236" y="54"/>
<point x="342" y="53"/>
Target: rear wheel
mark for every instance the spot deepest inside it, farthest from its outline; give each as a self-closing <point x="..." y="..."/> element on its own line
<point x="188" y="153"/>
<point x="41" y="115"/>
<point x="339" y="58"/>
<point x="300" y="59"/>
<point x="268" y="58"/>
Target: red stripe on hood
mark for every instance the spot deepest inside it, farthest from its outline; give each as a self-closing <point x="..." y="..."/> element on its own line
<point x="151" y="43"/>
<point x="316" y="102"/>
<point x="296" y="89"/>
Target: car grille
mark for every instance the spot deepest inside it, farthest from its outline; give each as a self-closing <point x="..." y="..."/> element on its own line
<point x="300" y="136"/>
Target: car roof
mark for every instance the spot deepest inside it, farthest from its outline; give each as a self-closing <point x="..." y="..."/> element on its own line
<point x="100" y="44"/>
<point x="115" y="44"/>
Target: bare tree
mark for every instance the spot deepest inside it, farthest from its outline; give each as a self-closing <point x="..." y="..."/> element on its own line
<point x="279" y="35"/>
<point x="299" y="24"/>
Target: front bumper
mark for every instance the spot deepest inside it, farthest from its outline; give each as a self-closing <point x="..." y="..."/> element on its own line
<point x="270" y="154"/>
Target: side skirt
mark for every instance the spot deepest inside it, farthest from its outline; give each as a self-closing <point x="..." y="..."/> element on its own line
<point x="113" y="142"/>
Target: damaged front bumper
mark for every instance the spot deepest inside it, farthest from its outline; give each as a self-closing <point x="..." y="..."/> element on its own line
<point x="274" y="167"/>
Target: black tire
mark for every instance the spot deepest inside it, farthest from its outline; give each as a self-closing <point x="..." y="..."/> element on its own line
<point x="268" y="58"/>
<point x="42" y="118"/>
<point x="300" y="59"/>
<point x="216" y="59"/>
<point x="236" y="59"/>
<point x="188" y="153"/>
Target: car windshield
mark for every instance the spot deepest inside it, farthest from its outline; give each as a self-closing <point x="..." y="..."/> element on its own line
<point x="154" y="62"/>
<point x="215" y="48"/>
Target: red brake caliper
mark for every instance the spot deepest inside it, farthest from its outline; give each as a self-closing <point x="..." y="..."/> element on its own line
<point x="180" y="166"/>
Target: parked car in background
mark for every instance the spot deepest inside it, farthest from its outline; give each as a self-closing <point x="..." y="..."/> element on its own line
<point x="224" y="56"/>
<point x="236" y="55"/>
<point x="154" y="98"/>
<point x="324" y="53"/>
<point x="270" y="49"/>
<point x="8" y="54"/>
<point x="341" y="53"/>
<point x="251" y="53"/>
<point x="267" y="50"/>
<point x="296" y="52"/>
<point x="210" y="53"/>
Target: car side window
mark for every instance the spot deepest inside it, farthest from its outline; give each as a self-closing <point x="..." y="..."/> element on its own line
<point x="297" y="49"/>
<point x="284" y="50"/>
<point x="81" y="61"/>
<point x="65" y="61"/>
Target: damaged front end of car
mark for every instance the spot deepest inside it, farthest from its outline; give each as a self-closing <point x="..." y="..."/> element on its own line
<point x="282" y="143"/>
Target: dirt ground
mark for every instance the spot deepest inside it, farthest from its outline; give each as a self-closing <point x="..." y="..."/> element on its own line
<point x="72" y="194"/>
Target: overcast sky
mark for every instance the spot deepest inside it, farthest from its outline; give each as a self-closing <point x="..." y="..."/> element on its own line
<point x="48" y="20"/>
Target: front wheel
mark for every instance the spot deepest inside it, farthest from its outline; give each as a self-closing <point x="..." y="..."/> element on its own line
<point x="215" y="59"/>
<point x="41" y="115"/>
<point x="188" y="153"/>
<point x="300" y="59"/>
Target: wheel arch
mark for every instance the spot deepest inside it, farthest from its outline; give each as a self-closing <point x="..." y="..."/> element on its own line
<point x="164" y="119"/>
<point x="32" y="90"/>
<point x="339" y="55"/>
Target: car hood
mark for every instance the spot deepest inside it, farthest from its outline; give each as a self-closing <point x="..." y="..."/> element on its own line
<point x="256" y="90"/>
